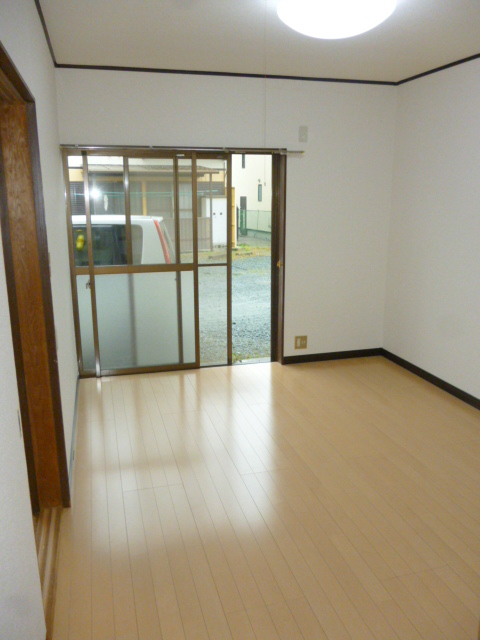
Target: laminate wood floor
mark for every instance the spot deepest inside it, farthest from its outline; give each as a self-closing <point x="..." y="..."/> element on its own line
<point x="336" y="500"/>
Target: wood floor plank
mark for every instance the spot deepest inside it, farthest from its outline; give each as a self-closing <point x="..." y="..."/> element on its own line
<point x="210" y="602"/>
<point x="262" y="624"/>
<point x="419" y="617"/>
<point x="434" y="607"/>
<point x="240" y="625"/>
<point x="284" y="622"/>
<point x="188" y="602"/>
<point x="459" y="586"/>
<point x="148" y="622"/>
<point x="306" y="620"/>
<point x="249" y="544"/>
<point x="165" y="594"/>
<point x="452" y="603"/>
<point x="103" y="626"/>
<point x="318" y="588"/>
<point x="129" y="480"/>
<point x="125" y="618"/>
<point x="345" y="596"/>
<point x="80" y="618"/>
<point x="236" y="559"/>
<point x="218" y="564"/>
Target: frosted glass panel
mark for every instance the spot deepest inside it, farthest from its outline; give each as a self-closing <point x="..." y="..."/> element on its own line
<point x="86" y="323"/>
<point x="188" y="317"/>
<point x="212" y="285"/>
<point x="137" y="320"/>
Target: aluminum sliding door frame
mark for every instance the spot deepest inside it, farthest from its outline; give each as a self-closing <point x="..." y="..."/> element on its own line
<point x="128" y="234"/>
<point x="279" y="176"/>
<point x="73" y="271"/>
<point x="178" y="258"/>
<point x="91" y="267"/>
<point x="195" y="258"/>
<point x="128" y="218"/>
<point x="229" y="258"/>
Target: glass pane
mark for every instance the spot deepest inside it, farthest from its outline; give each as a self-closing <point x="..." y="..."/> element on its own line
<point x="186" y="209"/>
<point x="212" y="211"/>
<point x="251" y="258"/>
<point x="152" y="208"/>
<point x="188" y="317"/>
<point x="86" y="322"/>
<point x="137" y="319"/>
<point x="212" y="288"/>
<point x="107" y="209"/>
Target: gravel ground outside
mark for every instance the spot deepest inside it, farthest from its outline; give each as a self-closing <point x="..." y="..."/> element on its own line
<point x="251" y="308"/>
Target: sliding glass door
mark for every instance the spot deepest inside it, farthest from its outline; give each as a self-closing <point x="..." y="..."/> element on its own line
<point x="150" y="240"/>
<point x="149" y="246"/>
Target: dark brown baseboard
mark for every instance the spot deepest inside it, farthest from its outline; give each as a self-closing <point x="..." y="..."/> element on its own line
<point x="429" y="377"/>
<point x="332" y="355"/>
<point x="366" y="353"/>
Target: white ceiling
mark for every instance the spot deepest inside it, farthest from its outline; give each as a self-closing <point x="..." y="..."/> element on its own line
<point x="246" y="36"/>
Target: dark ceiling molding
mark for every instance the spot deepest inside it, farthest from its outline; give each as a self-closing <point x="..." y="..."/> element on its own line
<point x="45" y="31"/>
<point x="437" y="69"/>
<point x="239" y="75"/>
<point x="228" y="74"/>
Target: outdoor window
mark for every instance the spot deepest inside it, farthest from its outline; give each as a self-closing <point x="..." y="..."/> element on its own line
<point x="259" y="192"/>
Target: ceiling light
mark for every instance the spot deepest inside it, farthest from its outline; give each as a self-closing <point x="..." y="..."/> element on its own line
<point x="332" y="19"/>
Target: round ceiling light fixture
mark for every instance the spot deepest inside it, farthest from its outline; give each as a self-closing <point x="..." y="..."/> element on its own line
<point x="334" y="19"/>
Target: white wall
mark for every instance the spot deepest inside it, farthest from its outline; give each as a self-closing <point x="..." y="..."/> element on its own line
<point x="338" y="194"/>
<point x="433" y="288"/>
<point x="21" y="611"/>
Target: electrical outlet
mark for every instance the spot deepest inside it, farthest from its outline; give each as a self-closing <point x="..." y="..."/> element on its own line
<point x="303" y="133"/>
<point x="300" y="342"/>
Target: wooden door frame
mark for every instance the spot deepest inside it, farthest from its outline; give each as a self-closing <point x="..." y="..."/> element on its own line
<point x="47" y="474"/>
<point x="279" y="192"/>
